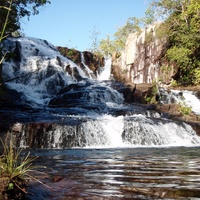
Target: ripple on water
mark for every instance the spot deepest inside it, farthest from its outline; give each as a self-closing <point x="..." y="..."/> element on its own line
<point x="163" y="173"/>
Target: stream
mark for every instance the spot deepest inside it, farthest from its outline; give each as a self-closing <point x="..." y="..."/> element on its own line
<point x="118" y="173"/>
<point x="92" y="144"/>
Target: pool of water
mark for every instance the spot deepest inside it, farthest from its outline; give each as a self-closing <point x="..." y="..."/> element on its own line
<point x="118" y="173"/>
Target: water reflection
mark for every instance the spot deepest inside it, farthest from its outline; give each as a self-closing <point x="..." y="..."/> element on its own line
<point x="140" y="173"/>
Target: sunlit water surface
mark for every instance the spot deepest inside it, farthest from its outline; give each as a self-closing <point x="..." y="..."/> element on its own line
<point x="118" y="173"/>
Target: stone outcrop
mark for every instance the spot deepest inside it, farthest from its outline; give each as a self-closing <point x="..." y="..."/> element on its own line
<point x="142" y="60"/>
<point x="83" y="59"/>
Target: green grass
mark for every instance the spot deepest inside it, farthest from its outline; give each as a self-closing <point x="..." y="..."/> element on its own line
<point x="17" y="169"/>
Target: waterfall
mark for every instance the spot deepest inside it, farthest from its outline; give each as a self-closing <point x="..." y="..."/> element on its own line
<point x="192" y="101"/>
<point x="86" y="68"/>
<point x="38" y="71"/>
<point x="76" y="110"/>
<point x="105" y="74"/>
<point x="104" y="131"/>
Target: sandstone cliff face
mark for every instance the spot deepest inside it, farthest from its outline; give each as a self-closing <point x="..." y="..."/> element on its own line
<point x="142" y="60"/>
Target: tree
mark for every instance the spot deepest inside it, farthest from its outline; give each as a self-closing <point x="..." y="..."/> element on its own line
<point x="95" y="41"/>
<point x="181" y="19"/>
<point x="18" y="10"/>
<point x="109" y="46"/>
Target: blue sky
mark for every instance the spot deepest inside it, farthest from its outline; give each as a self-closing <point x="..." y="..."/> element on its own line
<point x="71" y="22"/>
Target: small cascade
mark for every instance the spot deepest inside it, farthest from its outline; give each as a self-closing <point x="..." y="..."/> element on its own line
<point x="109" y="131"/>
<point x="105" y="74"/>
<point x="191" y="100"/>
<point x="143" y="131"/>
<point x="85" y="68"/>
<point x="184" y="97"/>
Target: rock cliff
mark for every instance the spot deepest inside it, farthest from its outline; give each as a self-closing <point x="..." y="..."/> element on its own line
<point x="142" y="60"/>
<point x="83" y="59"/>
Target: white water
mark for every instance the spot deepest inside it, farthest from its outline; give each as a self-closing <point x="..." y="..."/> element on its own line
<point x="192" y="101"/>
<point x="40" y="60"/>
<point x="108" y="131"/>
<point x="113" y="128"/>
<point x="105" y="74"/>
<point x="39" y="70"/>
<point x="189" y="99"/>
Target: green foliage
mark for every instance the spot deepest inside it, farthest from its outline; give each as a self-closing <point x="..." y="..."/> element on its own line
<point x="151" y="97"/>
<point x="108" y="46"/>
<point x="132" y="25"/>
<point x="180" y="56"/>
<point x="196" y="75"/>
<point x="181" y="28"/>
<point x="148" y="99"/>
<point x="16" y="169"/>
<point x="185" y="110"/>
<point x="70" y="53"/>
<point x="12" y="166"/>
<point x="174" y="83"/>
<point x="17" y="10"/>
<point x="6" y="10"/>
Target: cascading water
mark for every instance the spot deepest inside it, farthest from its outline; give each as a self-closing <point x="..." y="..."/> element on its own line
<point x="190" y="100"/>
<point x="86" y="68"/>
<point x="105" y="74"/>
<point x="40" y="68"/>
<point x="184" y="97"/>
<point x="78" y="110"/>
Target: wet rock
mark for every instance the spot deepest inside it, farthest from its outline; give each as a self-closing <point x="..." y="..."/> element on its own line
<point x="85" y="95"/>
<point x="94" y="62"/>
<point x="133" y="93"/>
<point x="10" y="98"/>
<point x="198" y="94"/>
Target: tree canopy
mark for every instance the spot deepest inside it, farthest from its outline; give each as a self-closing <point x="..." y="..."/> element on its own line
<point x="17" y="10"/>
<point x="108" y="46"/>
<point x="182" y="28"/>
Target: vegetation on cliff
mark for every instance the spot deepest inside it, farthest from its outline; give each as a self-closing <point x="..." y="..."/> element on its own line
<point x="180" y="26"/>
